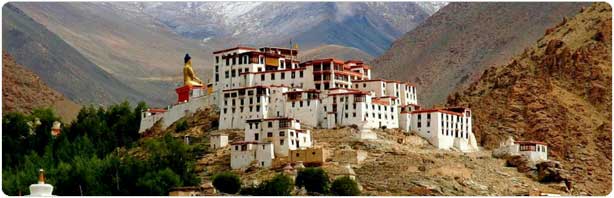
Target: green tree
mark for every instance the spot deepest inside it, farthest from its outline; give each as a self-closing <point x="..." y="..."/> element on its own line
<point x="315" y="180"/>
<point x="181" y="126"/>
<point x="280" y="185"/>
<point x="227" y="182"/>
<point x="344" y="186"/>
<point x="158" y="183"/>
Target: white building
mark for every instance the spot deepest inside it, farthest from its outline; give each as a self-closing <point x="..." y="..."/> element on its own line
<point x="305" y="106"/>
<point x="445" y="128"/>
<point x="266" y="139"/>
<point x="345" y="107"/>
<point x="252" y="85"/>
<point x="533" y="150"/>
<point x="217" y="141"/>
<point x="244" y="153"/>
<point x="285" y="134"/>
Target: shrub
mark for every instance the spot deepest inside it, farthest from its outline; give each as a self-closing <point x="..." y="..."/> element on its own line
<point x="344" y="186"/>
<point x="314" y="180"/>
<point x="280" y="185"/>
<point x="181" y="126"/>
<point x="227" y="182"/>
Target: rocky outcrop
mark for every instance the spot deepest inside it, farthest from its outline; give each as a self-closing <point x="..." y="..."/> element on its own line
<point x="557" y="91"/>
<point x="455" y="45"/>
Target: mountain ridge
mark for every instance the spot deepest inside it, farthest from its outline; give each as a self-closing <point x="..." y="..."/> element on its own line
<point x="557" y="91"/>
<point x="453" y="46"/>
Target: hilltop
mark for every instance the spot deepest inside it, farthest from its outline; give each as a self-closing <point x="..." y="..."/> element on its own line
<point x="453" y="46"/>
<point x="23" y="91"/>
<point x="557" y="91"/>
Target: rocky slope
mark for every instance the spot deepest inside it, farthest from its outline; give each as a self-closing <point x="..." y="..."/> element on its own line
<point x="369" y="26"/>
<point x="59" y="65"/>
<point x="452" y="47"/>
<point x="22" y="91"/>
<point x="334" y="51"/>
<point x="557" y="91"/>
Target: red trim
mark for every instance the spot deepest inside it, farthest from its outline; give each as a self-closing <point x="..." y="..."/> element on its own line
<point x="156" y="110"/>
<point x="349" y="93"/>
<point x="327" y="60"/>
<point x="382" y="102"/>
<point x="235" y="48"/>
<point x="235" y="89"/>
<point x="244" y="142"/>
<point x="304" y="91"/>
<point x="393" y="97"/>
<point x="436" y="110"/>
<point x="273" y="71"/>
<point x="529" y="142"/>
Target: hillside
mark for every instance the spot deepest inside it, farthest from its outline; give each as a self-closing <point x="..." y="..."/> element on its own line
<point x="369" y="26"/>
<point x="557" y="91"/>
<point x="133" y="48"/>
<point x="57" y="63"/>
<point x="452" y="47"/>
<point x="413" y="167"/>
<point x="334" y="51"/>
<point x="22" y="91"/>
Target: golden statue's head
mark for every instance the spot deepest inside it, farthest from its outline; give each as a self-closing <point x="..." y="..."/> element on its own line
<point x="187" y="59"/>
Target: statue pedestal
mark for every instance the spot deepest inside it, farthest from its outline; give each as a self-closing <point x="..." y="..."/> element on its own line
<point x="186" y="92"/>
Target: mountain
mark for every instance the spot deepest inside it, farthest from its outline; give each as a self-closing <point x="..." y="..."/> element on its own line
<point x="23" y="91"/>
<point x="369" y="26"/>
<point x="141" y="44"/>
<point x="558" y="91"/>
<point x="334" y="51"/>
<point x="58" y="64"/>
<point x="134" y="48"/>
<point x="454" y="45"/>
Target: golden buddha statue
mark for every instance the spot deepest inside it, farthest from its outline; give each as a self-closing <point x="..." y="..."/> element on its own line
<point x="189" y="78"/>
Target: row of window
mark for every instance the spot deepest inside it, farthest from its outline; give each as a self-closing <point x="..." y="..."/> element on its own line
<point x="282" y="75"/>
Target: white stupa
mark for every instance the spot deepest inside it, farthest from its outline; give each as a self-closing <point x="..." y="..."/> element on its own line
<point x="41" y="189"/>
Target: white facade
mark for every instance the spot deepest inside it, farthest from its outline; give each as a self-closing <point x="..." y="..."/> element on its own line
<point x="345" y="107"/>
<point x="445" y="128"/>
<point x="534" y="151"/>
<point x="266" y="139"/>
<point x="218" y="141"/>
<point x="175" y="112"/>
<point x="285" y="134"/>
<point x="243" y="154"/>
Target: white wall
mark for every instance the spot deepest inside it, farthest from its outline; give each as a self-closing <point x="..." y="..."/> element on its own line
<point x="175" y="112"/>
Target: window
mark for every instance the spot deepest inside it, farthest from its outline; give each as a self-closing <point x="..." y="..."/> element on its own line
<point x="217" y="59"/>
<point x="281" y="142"/>
<point x="261" y="77"/>
<point x="300" y="74"/>
<point x="272" y="76"/>
<point x="256" y="137"/>
<point x="293" y="75"/>
<point x="281" y="134"/>
<point x="227" y="61"/>
<point x="270" y="124"/>
<point x="226" y="74"/>
<point x="283" y="75"/>
<point x="269" y="134"/>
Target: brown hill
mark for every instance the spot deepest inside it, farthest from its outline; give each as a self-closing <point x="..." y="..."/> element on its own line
<point x="558" y="91"/>
<point x="334" y="51"/>
<point x="22" y="91"/>
<point x="456" y="44"/>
